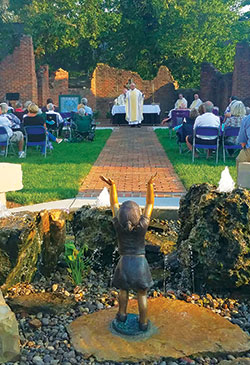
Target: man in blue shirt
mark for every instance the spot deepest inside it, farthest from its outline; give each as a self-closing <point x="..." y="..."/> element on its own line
<point x="244" y="140"/>
<point x="87" y="108"/>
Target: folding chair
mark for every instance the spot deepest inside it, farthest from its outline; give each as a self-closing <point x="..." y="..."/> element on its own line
<point x="177" y="118"/>
<point x="206" y="131"/>
<point x="230" y="132"/>
<point x="36" y="136"/>
<point x="82" y="128"/>
<point x="52" y="123"/>
<point x="4" y="135"/>
<point x="185" y="130"/>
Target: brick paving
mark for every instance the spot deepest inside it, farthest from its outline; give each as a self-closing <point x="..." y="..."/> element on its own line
<point x="130" y="157"/>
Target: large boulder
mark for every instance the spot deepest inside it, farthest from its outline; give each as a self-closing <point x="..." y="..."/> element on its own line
<point x="213" y="246"/>
<point x="9" y="336"/>
<point x="29" y="242"/>
<point x="94" y="227"/>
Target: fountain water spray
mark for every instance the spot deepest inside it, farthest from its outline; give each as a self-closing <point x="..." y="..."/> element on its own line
<point x="103" y="199"/>
<point x="192" y="266"/>
<point x="226" y="183"/>
<point x="4" y="212"/>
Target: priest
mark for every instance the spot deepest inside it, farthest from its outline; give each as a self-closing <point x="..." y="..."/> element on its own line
<point x="134" y="106"/>
<point x="196" y="102"/>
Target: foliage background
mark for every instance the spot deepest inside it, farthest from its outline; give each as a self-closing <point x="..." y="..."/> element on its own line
<point x="139" y="35"/>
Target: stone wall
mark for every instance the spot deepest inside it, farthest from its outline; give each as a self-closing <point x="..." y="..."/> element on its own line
<point x="17" y="72"/>
<point x="108" y="82"/>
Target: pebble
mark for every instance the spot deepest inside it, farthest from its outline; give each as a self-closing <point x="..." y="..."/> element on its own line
<point x="50" y="344"/>
<point x="47" y="359"/>
<point x="37" y="360"/>
<point x="230" y="357"/>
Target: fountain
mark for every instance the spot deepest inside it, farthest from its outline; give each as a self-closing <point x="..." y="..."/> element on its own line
<point x="183" y="256"/>
<point x="176" y="328"/>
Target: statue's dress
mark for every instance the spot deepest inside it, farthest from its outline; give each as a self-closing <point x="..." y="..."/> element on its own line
<point x="132" y="270"/>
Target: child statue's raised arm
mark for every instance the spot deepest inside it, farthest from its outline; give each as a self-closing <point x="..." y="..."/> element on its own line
<point x="150" y="197"/>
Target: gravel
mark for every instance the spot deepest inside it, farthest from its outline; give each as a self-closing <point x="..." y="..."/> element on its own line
<point x="50" y="344"/>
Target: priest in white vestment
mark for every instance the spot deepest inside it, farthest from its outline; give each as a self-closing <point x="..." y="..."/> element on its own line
<point x="134" y="106"/>
<point x="181" y="102"/>
<point x="196" y="103"/>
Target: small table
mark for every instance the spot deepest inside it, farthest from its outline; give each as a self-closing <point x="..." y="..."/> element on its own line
<point x="151" y="114"/>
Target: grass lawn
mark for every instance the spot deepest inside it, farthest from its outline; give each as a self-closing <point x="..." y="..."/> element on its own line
<point x="201" y="170"/>
<point x="57" y="176"/>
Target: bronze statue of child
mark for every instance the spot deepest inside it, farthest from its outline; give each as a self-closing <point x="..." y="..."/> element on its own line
<point x="132" y="270"/>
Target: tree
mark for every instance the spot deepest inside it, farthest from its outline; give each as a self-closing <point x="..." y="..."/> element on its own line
<point x="64" y="30"/>
<point x="178" y="34"/>
<point x="139" y="35"/>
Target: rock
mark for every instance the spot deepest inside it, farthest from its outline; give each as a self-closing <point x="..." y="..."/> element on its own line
<point x="214" y="238"/>
<point x="238" y="361"/>
<point x="37" y="360"/>
<point x="94" y="227"/>
<point x="47" y="359"/>
<point x="45" y="321"/>
<point x="192" y="330"/>
<point x="35" y="323"/>
<point x="9" y="336"/>
<point x="24" y="237"/>
<point x="53" y="228"/>
<point x="53" y="303"/>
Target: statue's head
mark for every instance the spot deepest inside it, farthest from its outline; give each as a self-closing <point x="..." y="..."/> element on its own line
<point x="129" y="215"/>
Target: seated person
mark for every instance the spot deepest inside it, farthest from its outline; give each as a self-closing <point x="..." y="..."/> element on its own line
<point x="181" y="103"/>
<point x="238" y="113"/>
<point x="33" y="118"/>
<point x="51" y="110"/>
<point x="88" y="110"/>
<point x="227" y="112"/>
<point x="186" y="127"/>
<point x="244" y="140"/>
<point x="208" y="119"/>
<point x="15" y="121"/>
<point x="15" y="136"/>
<point x="201" y="109"/>
<point x="121" y="100"/>
<point x="80" y="118"/>
<point x="44" y="109"/>
<point x="196" y="103"/>
<point x="19" y="111"/>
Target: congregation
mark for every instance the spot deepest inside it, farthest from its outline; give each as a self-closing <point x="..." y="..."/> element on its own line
<point x="14" y="123"/>
<point x="200" y="114"/>
<point x="205" y="114"/>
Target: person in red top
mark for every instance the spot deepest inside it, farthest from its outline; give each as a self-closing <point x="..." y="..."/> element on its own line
<point x="19" y="111"/>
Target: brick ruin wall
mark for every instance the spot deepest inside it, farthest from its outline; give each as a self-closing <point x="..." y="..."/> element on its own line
<point x="108" y="82"/>
<point x="215" y="86"/>
<point x="218" y="87"/>
<point x="241" y="74"/>
<point x="18" y="74"/>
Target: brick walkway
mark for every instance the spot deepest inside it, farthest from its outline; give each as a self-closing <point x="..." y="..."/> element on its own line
<point x="130" y="157"/>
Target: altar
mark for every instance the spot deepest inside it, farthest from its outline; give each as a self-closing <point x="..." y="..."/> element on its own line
<point x="151" y="114"/>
